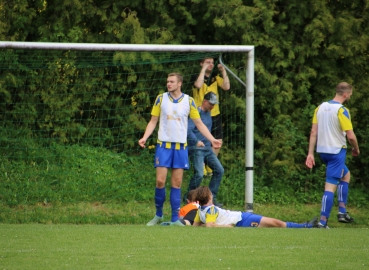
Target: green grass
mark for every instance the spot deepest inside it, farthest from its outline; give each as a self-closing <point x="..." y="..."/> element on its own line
<point x="37" y="246"/>
<point x="133" y="213"/>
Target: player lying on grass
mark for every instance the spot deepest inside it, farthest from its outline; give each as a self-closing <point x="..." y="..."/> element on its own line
<point x="213" y="216"/>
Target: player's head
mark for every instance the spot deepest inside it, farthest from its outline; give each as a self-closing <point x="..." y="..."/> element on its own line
<point x="344" y="90"/>
<point x="203" y="195"/>
<point x="208" y="61"/>
<point x="191" y="196"/>
<point x="174" y="82"/>
<point x="210" y="99"/>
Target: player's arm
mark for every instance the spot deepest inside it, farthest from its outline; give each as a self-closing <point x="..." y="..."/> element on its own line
<point x="310" y="160"/>
<point x="191" y="137"/>
<point x="213" y="225"/>
<point x="200" y="79"/>
<point x="204" y="131"/>
<point x="149" y="130"/>
<point x="346" y="125"/>
<point x="353" y="141"/>
<point x="226" y="85"/>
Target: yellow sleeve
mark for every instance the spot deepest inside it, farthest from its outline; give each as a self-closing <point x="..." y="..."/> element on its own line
<point x="345" y="119"/>
<point x="194" y="113"/>
<point x="315" y="119"/>
<point x="197" y="217"/>
<point x="220" y="80"/>
<point x="211" y="215"/>
<point x="156" y="108"/>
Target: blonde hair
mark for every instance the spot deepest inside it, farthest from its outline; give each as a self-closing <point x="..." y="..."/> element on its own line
<point x="178" y="75"/>
<point x="343" y="87"/>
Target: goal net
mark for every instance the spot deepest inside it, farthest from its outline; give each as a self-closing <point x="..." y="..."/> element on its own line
<point x="71" y="119"/>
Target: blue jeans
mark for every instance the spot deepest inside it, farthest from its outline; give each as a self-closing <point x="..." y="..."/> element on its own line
<point x="207" y="156"/>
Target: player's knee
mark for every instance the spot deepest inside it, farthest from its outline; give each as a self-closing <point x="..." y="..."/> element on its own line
<point x="160" y="183"/>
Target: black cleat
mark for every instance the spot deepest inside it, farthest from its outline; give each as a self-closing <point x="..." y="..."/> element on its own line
<point x="312" y="223"/>
<point x="344" y="218"/>
<point x="321" y="226"/>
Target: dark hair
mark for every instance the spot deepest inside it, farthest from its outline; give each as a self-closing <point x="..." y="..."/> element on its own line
<point x="191" y="195"/>
<point x="203" y="195"/>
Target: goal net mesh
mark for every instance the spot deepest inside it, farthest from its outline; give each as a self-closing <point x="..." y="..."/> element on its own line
<point x="71" y="120"/>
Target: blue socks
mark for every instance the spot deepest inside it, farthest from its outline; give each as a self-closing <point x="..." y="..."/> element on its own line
<point x="342" y="192"/>
<point x="159" y="201"/>
<point x="327" y="204"/>
<point x="175" y="202"/>
<point x="298" y="226"/>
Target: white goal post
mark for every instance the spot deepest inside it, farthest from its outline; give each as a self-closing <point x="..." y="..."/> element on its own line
<point x="249" y="169"/>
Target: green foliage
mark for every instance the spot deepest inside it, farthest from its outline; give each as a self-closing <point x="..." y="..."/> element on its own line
<point x="303" y="49"/>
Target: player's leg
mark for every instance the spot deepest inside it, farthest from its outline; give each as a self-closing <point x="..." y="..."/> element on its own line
<point x="161" y="175"/>
<point x="334" y="172"/>
<point x="163" y="160"/>
<point x="342" y="194"/>
<point x="254" y="220"/>
<point x="213" y="162"/>
<point x="175" y="192"/>
<point x="179" y="163"/>
<point x="267" y="222"/>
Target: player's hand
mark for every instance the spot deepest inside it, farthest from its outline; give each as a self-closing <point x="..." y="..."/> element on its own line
<point x="142" y="142"/>
<point x="200" y="144"/>
<point x="310" y="161"/>
<point x="220" y="67"/>
<point x="355" y="152"/>
<point x="205" y="66"/>
<point x="216" y="144"/>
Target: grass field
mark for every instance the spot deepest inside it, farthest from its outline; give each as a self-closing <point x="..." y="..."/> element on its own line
<point x="112" y="236"/>
<point x="36" y="246"/>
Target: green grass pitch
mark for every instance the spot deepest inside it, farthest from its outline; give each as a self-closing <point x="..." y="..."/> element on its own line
<point x="36" y="246"/>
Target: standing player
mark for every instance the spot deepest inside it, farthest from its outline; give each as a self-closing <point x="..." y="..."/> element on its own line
<point x="213" y="216"/>
<point x="173" y="109"/>
<point x="206" y="82"/>
<point x="331" y="125"/>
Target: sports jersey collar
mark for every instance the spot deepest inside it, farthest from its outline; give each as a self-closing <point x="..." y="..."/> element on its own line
<point x="205" y="206"/>
<point x="209" y="80"/>
<point x="333" y="102"/>
<point x="175" y="100"/>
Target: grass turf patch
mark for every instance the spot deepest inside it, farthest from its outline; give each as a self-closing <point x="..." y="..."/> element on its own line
<point x="36" y="246"/>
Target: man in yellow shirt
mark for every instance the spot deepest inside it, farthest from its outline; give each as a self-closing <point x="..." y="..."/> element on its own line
<point x="208" y="81"/>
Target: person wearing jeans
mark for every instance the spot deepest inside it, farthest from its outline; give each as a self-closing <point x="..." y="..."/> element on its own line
<point x="200" y="150"/>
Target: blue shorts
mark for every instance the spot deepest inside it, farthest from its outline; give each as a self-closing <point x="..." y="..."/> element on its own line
<point x="171" y="157"/>
<point x="249" y="220"/>
<point x="336" y="168"/>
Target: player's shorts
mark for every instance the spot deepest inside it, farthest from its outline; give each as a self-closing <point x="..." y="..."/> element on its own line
<point x="249" y="220"/>
<point x="171" y="157"/>
<point x="336" y="168"/>
<point x="216" y="128"/>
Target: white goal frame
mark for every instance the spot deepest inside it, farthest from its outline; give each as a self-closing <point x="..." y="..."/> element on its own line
<point x="250" y="50"/>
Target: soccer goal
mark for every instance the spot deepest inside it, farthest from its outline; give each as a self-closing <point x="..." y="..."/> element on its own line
<point x="66" y="106"/>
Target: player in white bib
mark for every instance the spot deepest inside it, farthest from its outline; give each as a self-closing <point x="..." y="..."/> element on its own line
<point x="172" y="110"/>
<point x="330" y="126"/>
<point x="213" y="216"/>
